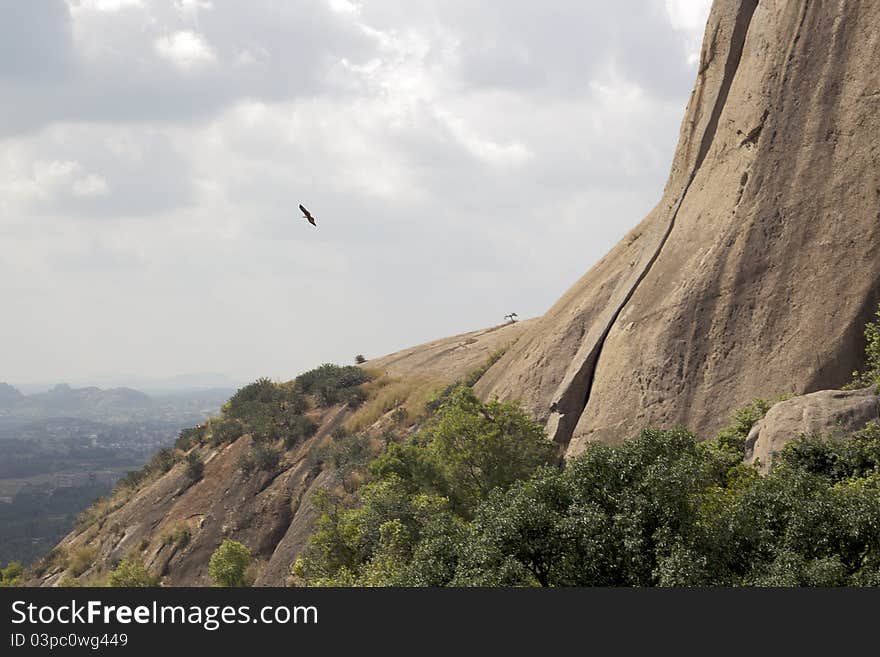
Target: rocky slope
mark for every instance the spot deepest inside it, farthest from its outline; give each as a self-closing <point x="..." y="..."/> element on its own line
<point x="758" y="269"/>
<point x="173" y="525"/>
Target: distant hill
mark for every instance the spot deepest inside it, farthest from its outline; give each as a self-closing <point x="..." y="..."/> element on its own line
<point x="88" y="402"/>
<point x="181" y="383"/>
<point x="9" y="396"/>
<point x="111" y="405"/>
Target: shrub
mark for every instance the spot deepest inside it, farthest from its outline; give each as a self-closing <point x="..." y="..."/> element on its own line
<point x="131" y="479"/>
<point x="266" y="410"/>
<point x="12" y="575"/>
<point x="327" y="396"/>
<point x="241" y="404"/>
<point x="734" y="435"/>
<point x="130" y="573"/>
<point x="179" y="536"/>
<point x="332" y="377"/>
<point x="189" y="438"/>
<point x="228" y="564"/>
<point x="260" y="457"/>
<point x="297" y="430"/>
<point x="225" y="430"/>
<point x="359" y="359"/>
<point x="870" y="374"/>
<point x="195" y="467"/>
<point x="163" y="461"/>
<point x="356" y="397"/>
<point x="346" y="452"/>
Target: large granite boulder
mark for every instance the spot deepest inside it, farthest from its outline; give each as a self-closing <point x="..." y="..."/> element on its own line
<point x="825" y="413"/>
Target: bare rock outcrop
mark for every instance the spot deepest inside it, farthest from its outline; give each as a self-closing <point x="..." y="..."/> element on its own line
<point x="756" y="272"/>
<point x="824" y="413"/>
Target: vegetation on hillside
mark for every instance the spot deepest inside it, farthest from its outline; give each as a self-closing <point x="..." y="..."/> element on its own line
<point x="422" y="494"/>
<point x="472" y="499"/>
<point x="269" y="412"/>
<point x="274" y="415"/>
<point x="12" y="574"/>
<point x="660" y="510"/>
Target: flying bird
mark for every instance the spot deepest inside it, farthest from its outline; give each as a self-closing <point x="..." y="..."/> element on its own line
<point x="307" y="215"/>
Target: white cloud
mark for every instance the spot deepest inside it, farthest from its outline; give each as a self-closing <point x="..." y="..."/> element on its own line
<point x="91" y="185"/>
<point x="689" y="17"/>
<point x="52" y="180"/>
<point x="185" y="49"/>
<point x="500" y="154"/>
<point x="55" y="173"/>
<point x="252" y="56"/>
<point x="105" y="5"/>
<point x="345" y="6"/>
<point x="189" y="10"/>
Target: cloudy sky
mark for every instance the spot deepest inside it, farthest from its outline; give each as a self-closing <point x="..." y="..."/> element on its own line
<point x="464" y="159"/>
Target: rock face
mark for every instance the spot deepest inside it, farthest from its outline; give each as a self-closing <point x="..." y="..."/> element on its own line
<point x="827" y="412"/>
<point x="756" y="272"/>
<point x="449" y="358"/>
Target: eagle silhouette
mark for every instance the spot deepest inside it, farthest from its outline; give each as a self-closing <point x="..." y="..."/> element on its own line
<point x="307" y="215"/>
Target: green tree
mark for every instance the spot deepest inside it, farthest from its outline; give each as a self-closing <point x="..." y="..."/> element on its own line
<point x="12" y="575"/>
<point x="228" y="564"/>
<point x="478" y="447"/>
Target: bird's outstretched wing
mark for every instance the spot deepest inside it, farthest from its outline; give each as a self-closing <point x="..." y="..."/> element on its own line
<point x="307" y="214"/>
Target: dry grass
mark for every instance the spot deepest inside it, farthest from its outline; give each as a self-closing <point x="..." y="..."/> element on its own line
<point x="385" y="394"/>
<point x="81" y="560"/>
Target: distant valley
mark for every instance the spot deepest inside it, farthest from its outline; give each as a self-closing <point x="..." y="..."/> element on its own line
<point x="65" y="447"/>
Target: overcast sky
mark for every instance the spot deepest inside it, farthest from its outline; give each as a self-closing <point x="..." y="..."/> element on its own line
<point x="463" y="158"/>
